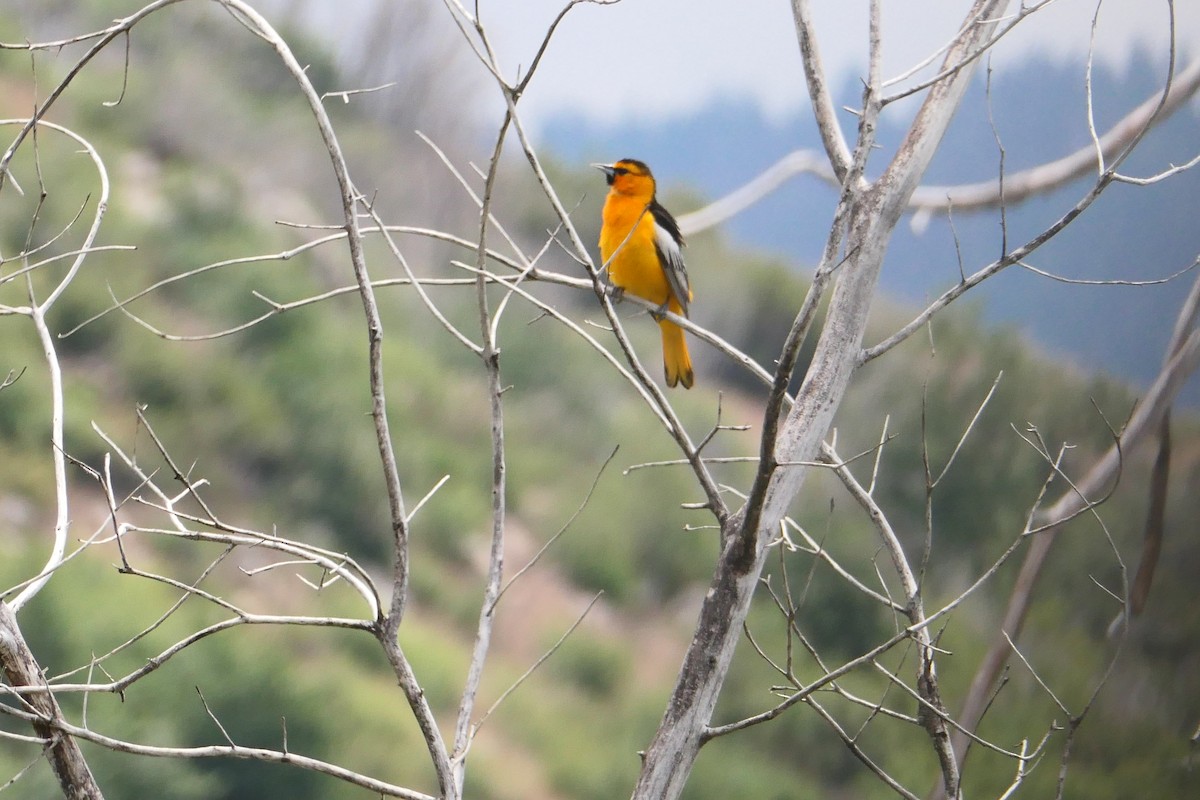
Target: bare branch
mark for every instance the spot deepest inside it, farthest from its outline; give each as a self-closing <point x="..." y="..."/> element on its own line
<point x="541" y="660"/>
<point x="798" y="162"/>
<point x="818" y="90"/>
<point x="213" y="717"/>
<point x="566" y="525"/>
<point x="490" y="355"/>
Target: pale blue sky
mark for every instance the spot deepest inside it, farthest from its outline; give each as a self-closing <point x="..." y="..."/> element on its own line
<point x="660" y="58"/>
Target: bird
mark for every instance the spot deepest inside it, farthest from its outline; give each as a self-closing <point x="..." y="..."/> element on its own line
<point x="641" y="245"/>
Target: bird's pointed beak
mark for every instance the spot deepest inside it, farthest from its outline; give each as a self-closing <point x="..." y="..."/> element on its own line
<point x="607" y="169"/>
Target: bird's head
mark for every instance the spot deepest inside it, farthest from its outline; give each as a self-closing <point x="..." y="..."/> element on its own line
<point x="629" y="176"/>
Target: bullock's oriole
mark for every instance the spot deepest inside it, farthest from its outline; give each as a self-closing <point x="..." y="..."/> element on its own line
<point x="641" y="244"/>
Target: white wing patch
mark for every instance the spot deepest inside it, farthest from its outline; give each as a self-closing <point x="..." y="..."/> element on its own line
<point x="672" y="258"/>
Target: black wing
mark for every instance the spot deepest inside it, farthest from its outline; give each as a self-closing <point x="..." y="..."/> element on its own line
<point x="669" y="243"/>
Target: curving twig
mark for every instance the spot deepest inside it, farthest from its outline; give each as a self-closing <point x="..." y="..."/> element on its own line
<point x="37" y="311"/>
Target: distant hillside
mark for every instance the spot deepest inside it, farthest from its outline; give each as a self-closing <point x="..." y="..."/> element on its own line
<point x="1132" y="233"/>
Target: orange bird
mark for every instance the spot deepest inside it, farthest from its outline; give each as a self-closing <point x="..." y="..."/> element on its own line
<point x="641" y="244"/>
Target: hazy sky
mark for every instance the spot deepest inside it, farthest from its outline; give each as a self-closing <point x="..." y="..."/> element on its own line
<point x="657" y="58"/>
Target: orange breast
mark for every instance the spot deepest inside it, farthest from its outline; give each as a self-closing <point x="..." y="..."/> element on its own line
<point x="636" y="267"/>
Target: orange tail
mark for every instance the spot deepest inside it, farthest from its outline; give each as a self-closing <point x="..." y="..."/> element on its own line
<point x="676" y="362"/>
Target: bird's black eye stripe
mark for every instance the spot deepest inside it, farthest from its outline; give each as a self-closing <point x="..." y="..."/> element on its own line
<point x="620" y="171"/>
